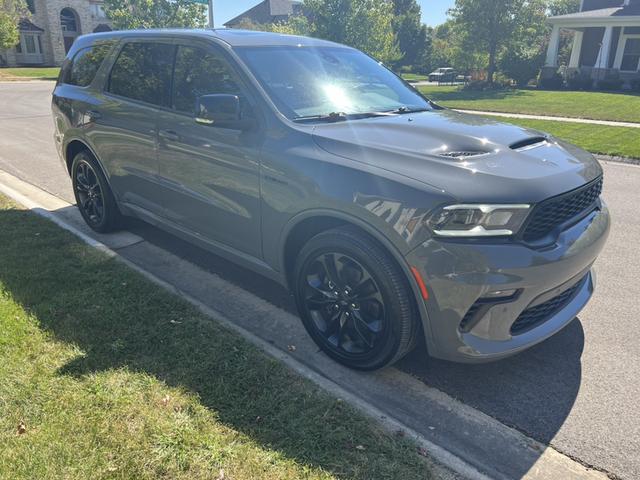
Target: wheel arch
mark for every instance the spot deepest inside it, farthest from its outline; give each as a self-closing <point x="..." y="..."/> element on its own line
<point x="74" y="147"/>
<point x="306" y="225"/>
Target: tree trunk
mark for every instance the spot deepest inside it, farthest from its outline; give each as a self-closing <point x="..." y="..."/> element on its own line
<point x="492" y="62"/>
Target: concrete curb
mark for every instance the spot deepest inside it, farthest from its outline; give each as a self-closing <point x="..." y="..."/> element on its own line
<point x="472" y="434"/>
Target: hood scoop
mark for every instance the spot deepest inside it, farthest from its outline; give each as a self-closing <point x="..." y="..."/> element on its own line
<point x="528" y="143"/>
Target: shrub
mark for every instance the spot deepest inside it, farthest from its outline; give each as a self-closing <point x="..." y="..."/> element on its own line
<point x="521" y="64"/>
<point x="611" y="81"/>
<point x="483" y="85"/>
<point x="580" y="81"/>
<point x="555" y="82"/>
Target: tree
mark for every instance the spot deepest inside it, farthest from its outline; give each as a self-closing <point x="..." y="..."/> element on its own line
<point x="11" y="11"/>
<point x="490" y="26"/>
<point x="412" y="35"/>
<point x="130" y="14"/>
<point x="563" y="7"/>
<point x="362" y="24"/>
<point x="449" y="49"/>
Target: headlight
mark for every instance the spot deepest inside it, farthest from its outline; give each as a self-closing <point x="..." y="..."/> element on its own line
<point x="472" y="220"/>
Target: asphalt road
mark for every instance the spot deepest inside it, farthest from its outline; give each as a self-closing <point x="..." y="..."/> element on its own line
<point x="578" y="391"/>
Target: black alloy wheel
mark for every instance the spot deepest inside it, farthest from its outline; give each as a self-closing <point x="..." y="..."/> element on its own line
<point x="93" y="195"/>
<point x="353" y="299"/>
<point x="90" y="199"/>
<point x="345" y="303"/>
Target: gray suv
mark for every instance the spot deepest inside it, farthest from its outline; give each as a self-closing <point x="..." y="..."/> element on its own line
<point x="392" y="220"/>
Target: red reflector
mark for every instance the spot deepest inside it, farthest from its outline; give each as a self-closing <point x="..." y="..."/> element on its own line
<point x="423" y="287"/>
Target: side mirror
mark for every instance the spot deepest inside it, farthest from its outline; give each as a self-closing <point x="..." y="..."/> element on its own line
<point x="219" y="110"/>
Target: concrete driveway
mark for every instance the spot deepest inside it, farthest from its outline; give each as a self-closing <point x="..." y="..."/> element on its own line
<point x="577" y="392"/>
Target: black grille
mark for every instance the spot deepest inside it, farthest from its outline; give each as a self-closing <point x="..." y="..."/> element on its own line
<point x="534" y="316"/>
<point x="555" y="211"/>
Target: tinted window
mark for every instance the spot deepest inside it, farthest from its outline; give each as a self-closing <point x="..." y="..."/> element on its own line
<point x="143" y="72"/>
<point x="197" y="73"/>
<point x="86" y="63"/>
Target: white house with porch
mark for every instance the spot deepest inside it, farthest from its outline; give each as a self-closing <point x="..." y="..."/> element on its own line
<point x="606" y="39"/>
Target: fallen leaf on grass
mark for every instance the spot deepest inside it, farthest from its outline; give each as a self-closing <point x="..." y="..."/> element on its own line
<point x="360" y="447"/>
<point x="423" y="451"/>
<point x="175" y="322"/>
<point x="221" y="475"/>
<point x="291" y="348"/>
<point x="22" y="428"/>
<point x="165" y="400"/>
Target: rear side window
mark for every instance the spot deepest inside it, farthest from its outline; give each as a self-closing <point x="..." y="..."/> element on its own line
<point x="199" y="72"/>
<point x="85" y="64"/>
<point x="143" y="72"/>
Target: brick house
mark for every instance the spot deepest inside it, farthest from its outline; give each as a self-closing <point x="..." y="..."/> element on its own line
<point x="606" y="39"/>
<point x="47" y="35"/>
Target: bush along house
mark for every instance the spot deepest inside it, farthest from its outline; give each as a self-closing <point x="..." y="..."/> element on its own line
<point x="606" y="45"/>
<point x="50" y="30"/>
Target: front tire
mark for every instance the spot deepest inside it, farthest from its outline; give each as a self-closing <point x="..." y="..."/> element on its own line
<point x="354" y="300"/>
<point x="94" y="198"/>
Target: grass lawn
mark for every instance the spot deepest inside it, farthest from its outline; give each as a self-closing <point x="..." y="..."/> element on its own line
<point x="47" y="73"/>
<point x="594" y="105"/>
<point x="105" y="375"/>
<point x="616" y="141"/>
<point x="414" y="77"/>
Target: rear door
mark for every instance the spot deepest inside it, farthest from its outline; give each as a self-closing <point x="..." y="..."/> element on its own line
<point x="125" y="120"/>
<point x="210" y="175"/>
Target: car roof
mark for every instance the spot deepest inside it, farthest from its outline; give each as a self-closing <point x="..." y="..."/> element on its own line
<point x="231" y="36"/>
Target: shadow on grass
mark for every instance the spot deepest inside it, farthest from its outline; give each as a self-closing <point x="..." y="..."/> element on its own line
<point x="118" y="319"/>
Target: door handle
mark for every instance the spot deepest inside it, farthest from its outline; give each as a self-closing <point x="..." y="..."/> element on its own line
<point x="169" y="135"/>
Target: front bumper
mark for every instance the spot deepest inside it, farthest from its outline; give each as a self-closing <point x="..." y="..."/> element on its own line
<point x="459" y="273"/>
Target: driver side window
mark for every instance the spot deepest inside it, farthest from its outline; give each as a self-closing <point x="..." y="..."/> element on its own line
<point x="200" y="72"/>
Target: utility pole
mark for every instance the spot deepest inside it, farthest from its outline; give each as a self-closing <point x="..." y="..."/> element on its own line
<point x="211" y="14"/>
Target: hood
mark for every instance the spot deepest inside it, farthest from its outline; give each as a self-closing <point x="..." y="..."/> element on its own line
<point x="469" y="157"/>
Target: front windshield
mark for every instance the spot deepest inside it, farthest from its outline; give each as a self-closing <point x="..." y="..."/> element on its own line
<point x="308" y="82"/>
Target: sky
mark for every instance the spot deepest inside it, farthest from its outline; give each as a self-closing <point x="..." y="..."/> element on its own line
<point x="434" y="12"/>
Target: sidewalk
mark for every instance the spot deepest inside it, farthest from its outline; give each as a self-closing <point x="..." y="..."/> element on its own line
<point x="608" y="123"/>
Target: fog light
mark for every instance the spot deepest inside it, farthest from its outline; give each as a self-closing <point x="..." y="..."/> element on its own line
<point x="500" y="294"/>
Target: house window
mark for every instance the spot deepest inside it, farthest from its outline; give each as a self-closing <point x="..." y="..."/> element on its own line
<point x="631" y="55"/>
<point x="29" y="43"/>
<point x="68" y="20"/>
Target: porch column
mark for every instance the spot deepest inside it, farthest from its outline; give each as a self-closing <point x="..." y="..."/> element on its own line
<point x="576" y="50"/>
<point x="605" y="48"/>
<point x="554" y="44"/>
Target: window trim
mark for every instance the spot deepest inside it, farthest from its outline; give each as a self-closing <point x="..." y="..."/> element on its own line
<point x="622" y="45"/>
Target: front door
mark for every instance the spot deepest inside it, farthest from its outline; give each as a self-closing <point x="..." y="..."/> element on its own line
<point x="209" y="175"/>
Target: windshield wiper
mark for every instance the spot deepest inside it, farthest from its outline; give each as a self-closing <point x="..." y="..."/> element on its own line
<point x="401" y="110"/>
<point x="325" y="117"/>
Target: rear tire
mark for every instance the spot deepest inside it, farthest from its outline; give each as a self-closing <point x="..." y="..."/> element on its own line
<point x="93" y="195"/>
<point x="354" y="300"/>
